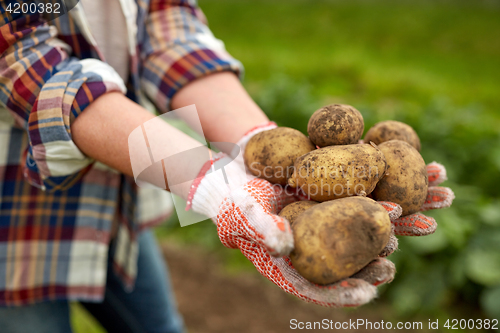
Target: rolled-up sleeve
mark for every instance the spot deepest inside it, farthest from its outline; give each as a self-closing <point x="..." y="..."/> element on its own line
<point x="178" y="48"/>
<point x="45" y="90"/>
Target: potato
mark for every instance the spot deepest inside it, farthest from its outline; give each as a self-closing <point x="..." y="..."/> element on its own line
<point x="291" y="211"/>
<point x="338" y="171"/>
<point x="392" y="130"/>
<point x="406" y="180"/>
<point x="270" y="154"/>
<point x="335" y="124"/>
<point x="335" y="239"/>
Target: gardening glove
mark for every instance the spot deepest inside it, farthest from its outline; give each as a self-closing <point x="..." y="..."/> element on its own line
<point x="246" y="219"/>
<point x="418" y="224"/>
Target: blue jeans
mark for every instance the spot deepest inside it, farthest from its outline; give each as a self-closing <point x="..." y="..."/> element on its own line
<point x="150" y="307"/>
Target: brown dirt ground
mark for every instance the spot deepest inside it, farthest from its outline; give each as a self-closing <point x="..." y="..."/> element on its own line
<point x="212" y="300"/>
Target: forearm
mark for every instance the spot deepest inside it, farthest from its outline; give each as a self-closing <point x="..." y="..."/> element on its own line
<point x="226" y="113"/>
<point x="102" y="132"/>
<point x="226" y="110"/>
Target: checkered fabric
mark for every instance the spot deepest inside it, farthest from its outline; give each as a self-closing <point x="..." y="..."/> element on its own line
<point x="56" y="204"/>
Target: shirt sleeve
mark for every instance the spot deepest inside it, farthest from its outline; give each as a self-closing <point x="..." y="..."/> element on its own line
<point x="178" y="48"/>
<point x="45" y="90"/>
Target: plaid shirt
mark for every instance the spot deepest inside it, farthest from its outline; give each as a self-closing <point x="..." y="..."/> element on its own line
<point x="56" y="204"/>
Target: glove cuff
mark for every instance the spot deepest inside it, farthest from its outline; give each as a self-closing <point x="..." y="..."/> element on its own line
<point x="259" y="128"/>
<point x="242" y="143"/>
<point x="196" y="183"/>
<point x="217" y="178"/>
<point x="214" y="183"/>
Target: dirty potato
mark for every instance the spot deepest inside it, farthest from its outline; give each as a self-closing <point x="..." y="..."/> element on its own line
<point x="291" y="211"/>
<point x="392" y="130"/>
<point x="405" y="182"/>
<point x="338" y="171"/>
<point x="271" y="154"/>
<point x="335" y="239"/>
<point x="335" y="124"/>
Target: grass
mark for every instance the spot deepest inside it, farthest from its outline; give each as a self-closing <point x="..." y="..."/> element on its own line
<point x="368" y="52"/>
<point x="83" y="322"/>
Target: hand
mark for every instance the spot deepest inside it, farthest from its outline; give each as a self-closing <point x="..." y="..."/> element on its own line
<point x="246" y="219"/>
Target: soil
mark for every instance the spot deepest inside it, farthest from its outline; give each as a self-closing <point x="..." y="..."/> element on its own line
<point x="212" y="299"/>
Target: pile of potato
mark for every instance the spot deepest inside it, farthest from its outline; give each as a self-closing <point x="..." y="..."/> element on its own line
<point x="341" y="229"/>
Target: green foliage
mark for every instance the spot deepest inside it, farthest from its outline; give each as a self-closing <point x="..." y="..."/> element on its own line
<point x="464" y="253"/>
<point x="82" y="321"/>
<point x="432" y="64"/>
<point x="377" y="52"/>
<point x="490" y="300"/>
<point x="289" y="102"/>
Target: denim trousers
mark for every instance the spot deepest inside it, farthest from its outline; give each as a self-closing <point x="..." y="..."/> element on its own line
<point x="150" y="307"/>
